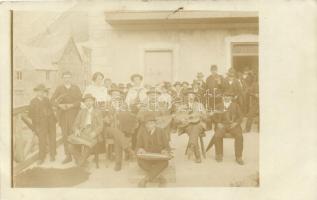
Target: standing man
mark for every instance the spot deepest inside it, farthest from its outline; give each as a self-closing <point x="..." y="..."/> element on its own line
<point x="66" y="99"/>
<point x="200" y="80"/>
<point x="214" y="87"/>
<point x="43" y="123"/>
<point x="137" y="94"/>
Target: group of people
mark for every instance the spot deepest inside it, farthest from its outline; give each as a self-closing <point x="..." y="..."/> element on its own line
<point x="140" y="118"/>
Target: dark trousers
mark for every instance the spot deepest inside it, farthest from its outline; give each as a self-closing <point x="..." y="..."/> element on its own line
<point x="236" y="132"/>
<point x="66" y="121"/>
<point x="121" y="142"/>
<point x="153" y="168"/>
<point x="194" y="132"/>
<point x="253" y="112"/>
<point x="79" y="152"/>
<point x="46" y="132"/>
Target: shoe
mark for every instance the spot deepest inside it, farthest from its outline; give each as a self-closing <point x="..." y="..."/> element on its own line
<point x="143" y="183"/>
<point x="219" y="158"/>
<point x="162" y="181"/>
<point x="40" y="162"/>
<point x="198" y="160"/>
<point x="117" y="167"/>
<point x="67" y="160"/>
<point x="239" y="161"/>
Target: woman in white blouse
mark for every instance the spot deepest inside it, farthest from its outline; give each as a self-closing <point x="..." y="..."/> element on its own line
<point x="98" y="90"/>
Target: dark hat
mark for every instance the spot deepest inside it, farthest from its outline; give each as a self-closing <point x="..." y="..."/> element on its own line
<point x="185" y="82"/>
<point x="66" y="73"/>
<point x="136" y="75"/>
<point x="228" y="94"/>
<point x="114" y="88"/>
<point x="149" y="116"/>
<point x="88" y="96"/>
<point x="200" y="74"/>
<point x="195" y="82"/>
<point x="177" y="83"/>
<point x="230" y="74"/>
<point x="121" y="85"/>
<point x="40" y="87"/>
<point x="189" y="91"/>
<point x="213" y="67"/>
<point x="153" y="90"/>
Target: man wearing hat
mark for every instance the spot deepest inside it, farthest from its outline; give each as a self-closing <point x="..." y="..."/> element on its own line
<point x="43" y="122"/>
<point x="177" y="91"/>
<point x="137" y="94"/>
<point x="152" y="139"/>
<point x="87" y="130"/>
<point x="228" y="120"/>
<point x="232" y="85"/>
<point x="214" y="87"/>
<point x="195" y="126"/>
<point x="66" y="99"/>
<point x="120" y="126"/>
<point x="200" y="81"/>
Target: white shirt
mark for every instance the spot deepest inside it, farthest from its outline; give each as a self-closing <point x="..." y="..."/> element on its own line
<point x="133" y="93"/>
<point x="89" y="118"/>
<point x="99" y="92"/>
<point x="166" y="98"/>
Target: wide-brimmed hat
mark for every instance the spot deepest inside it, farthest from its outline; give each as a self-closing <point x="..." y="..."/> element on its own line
<point x="185" y="82"/>
<point x="136" y="75"/>
<point x="88" y="96"/>
<point x="189" y="91"/>
<point x="228" y="94"/>
<point x="177" y="83"/>
<point x="40" y="87"/>
<point x="200" y="74"/>
<point x="115" y="89"/>
<point x="153" y="90"/>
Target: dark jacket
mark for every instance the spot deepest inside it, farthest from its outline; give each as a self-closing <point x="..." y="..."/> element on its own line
<point x="232" y="114"/>
<point x="40" y="112"/>
<point x="96" y="122"/>
<point x="154" y="143"/>
<point x="215" y="81"/>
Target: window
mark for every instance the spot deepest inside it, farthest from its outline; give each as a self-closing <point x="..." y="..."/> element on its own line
<point x="19" y="75"/>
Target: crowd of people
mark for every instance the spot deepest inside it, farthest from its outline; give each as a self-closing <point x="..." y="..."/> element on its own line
<point x="140" y="118"/>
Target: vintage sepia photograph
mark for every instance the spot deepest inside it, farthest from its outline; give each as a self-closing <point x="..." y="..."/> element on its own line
<point x="136" y="96"/>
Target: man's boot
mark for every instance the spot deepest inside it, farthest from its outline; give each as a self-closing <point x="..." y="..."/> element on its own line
<point x="117" y="166"/>
<point x="239" y="161"/>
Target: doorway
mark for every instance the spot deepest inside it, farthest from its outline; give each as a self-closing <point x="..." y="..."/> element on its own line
<point x="245" y="57"/>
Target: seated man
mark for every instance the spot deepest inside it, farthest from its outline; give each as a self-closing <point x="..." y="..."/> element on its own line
<point x="120" y="126"/>
<point x="228" y="121"/>
<point x="194" y="115"/>
<point x="87" y="128"/>
<point x="152" y="140"/>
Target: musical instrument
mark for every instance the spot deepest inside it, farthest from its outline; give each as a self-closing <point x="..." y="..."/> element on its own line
<point x="84" y="138"/>
<point x="184" y="119"/>
<point x="153" y="156"/>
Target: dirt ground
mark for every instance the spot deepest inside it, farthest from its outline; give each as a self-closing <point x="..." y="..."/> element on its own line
<point x="181" y="171"/>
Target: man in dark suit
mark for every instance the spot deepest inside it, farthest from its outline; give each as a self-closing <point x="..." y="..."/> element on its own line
<point x="228" y="121"/>
<point x="214" y="86"/>
<point x="152" y="139"/>
<point x="66" y="99"/>
<point x="43" y="122"/>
